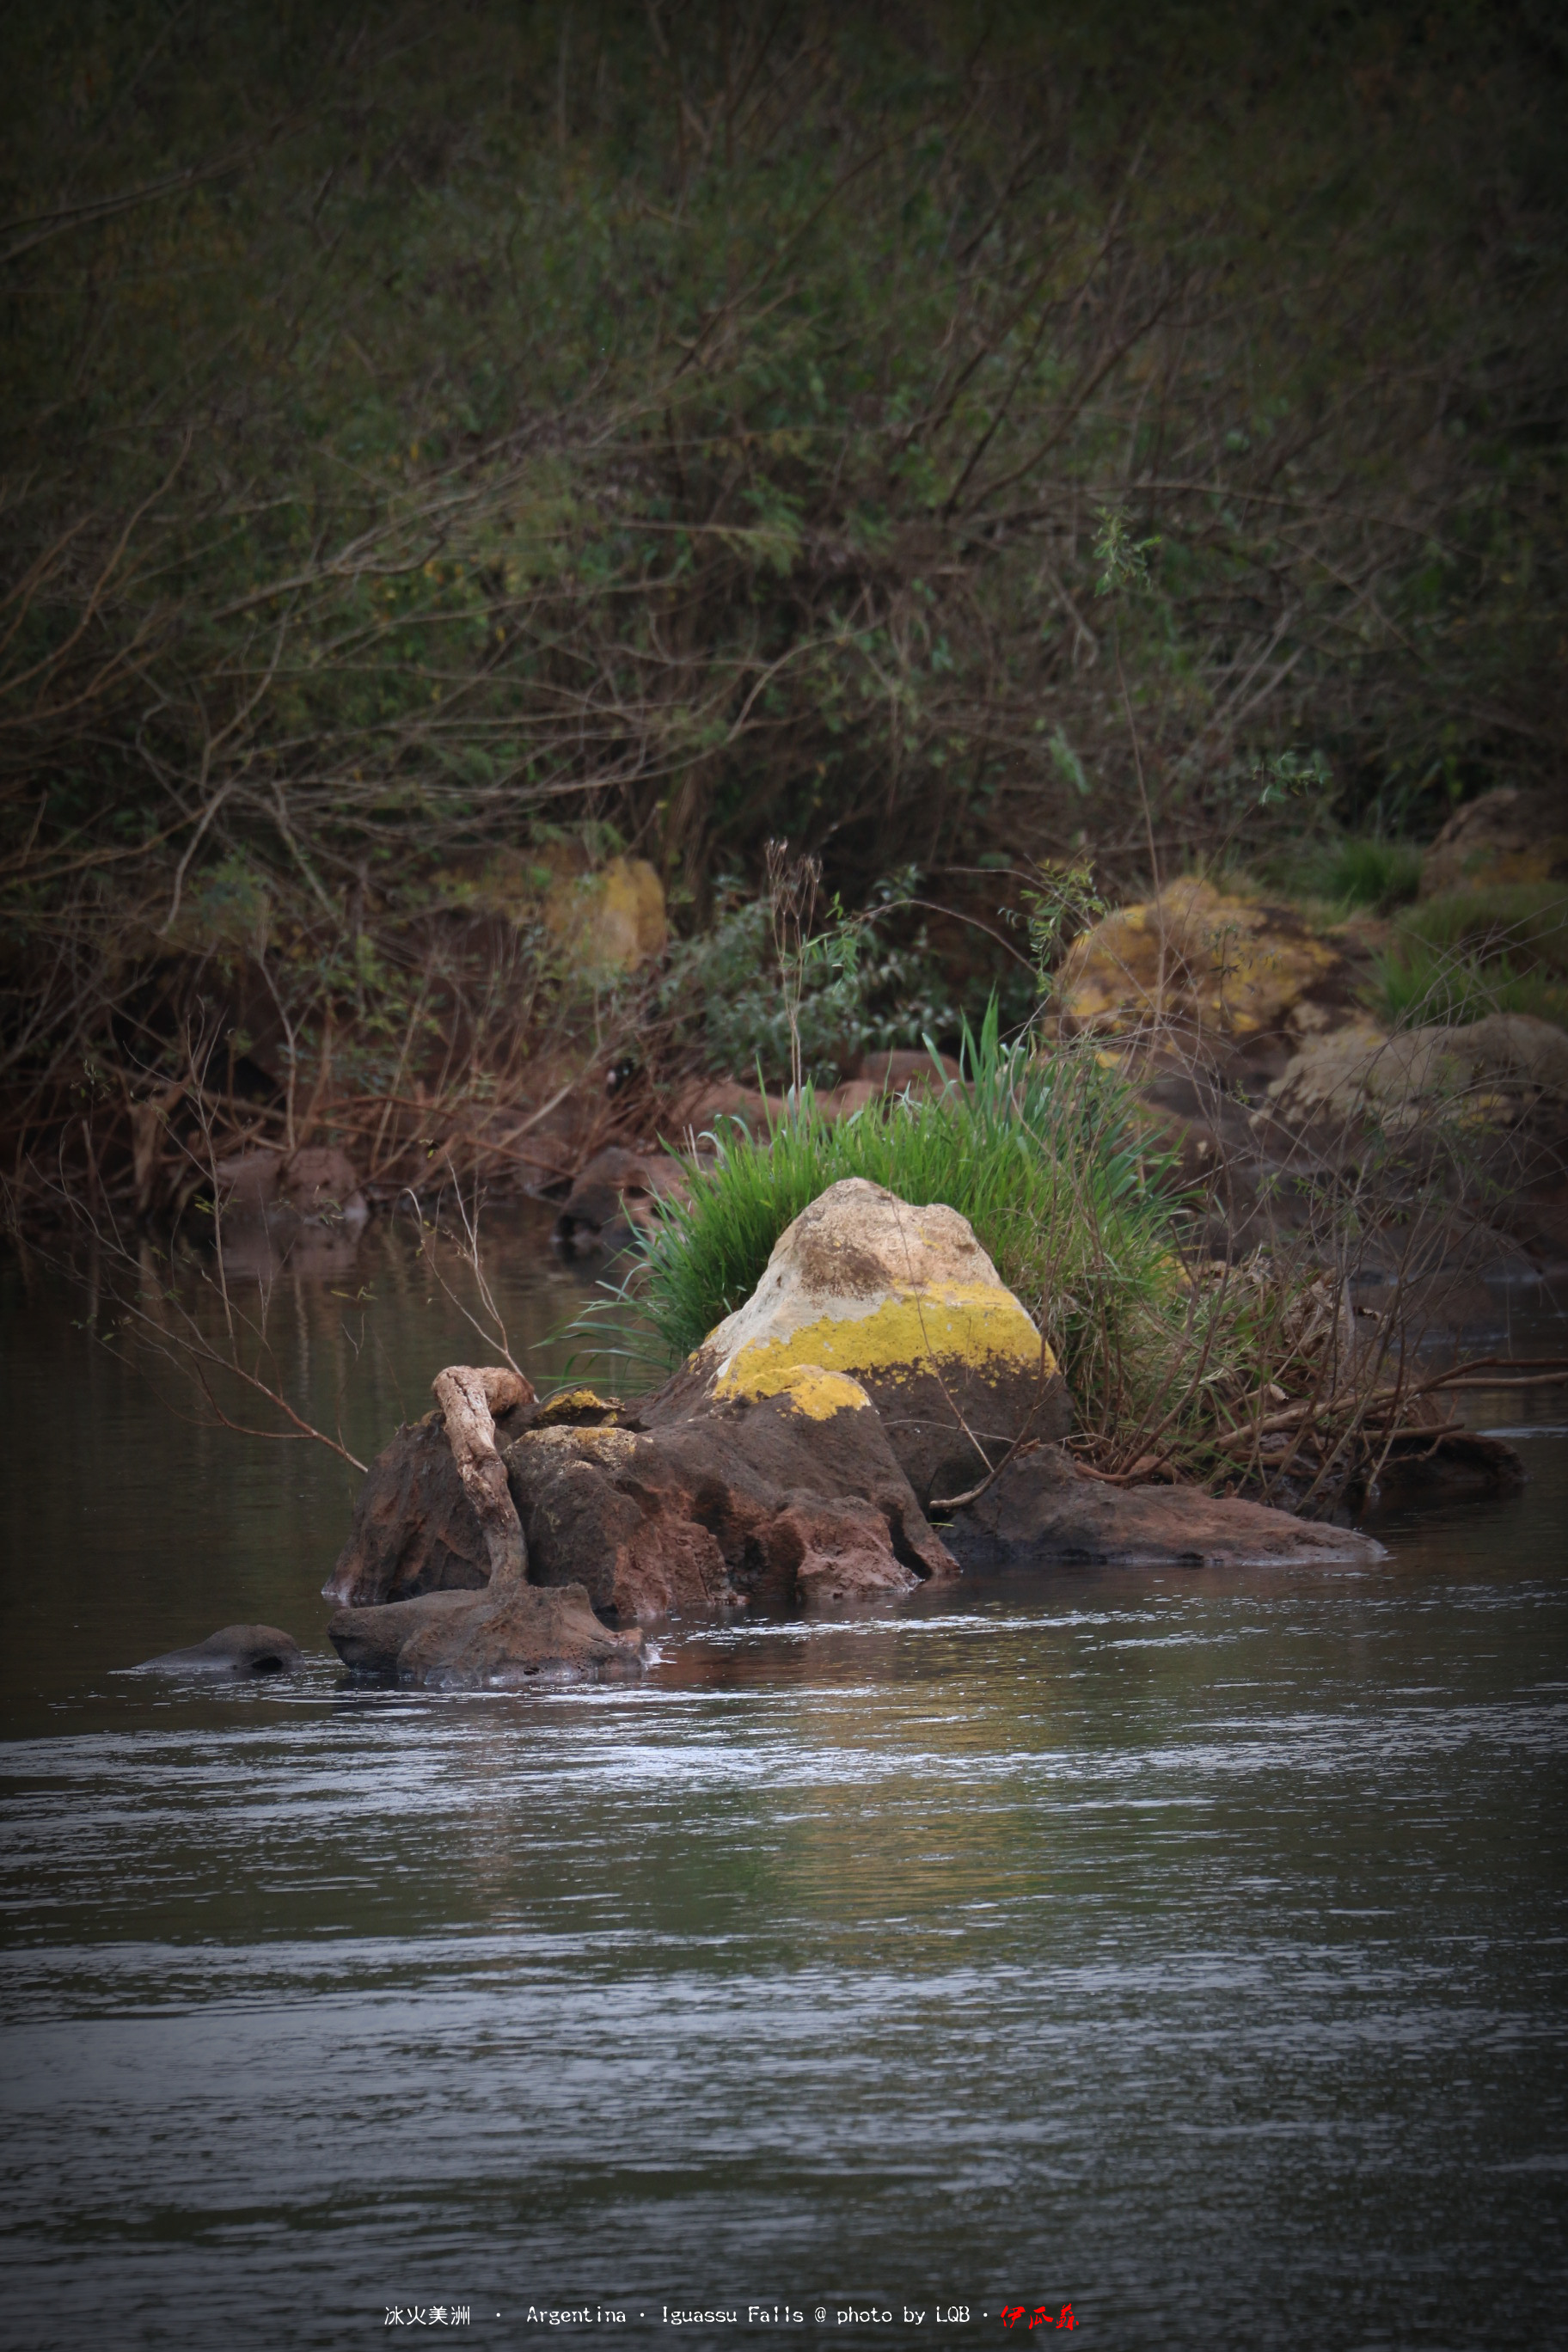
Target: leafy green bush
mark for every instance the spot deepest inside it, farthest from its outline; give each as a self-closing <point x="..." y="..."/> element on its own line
<point x="858" y="992"/>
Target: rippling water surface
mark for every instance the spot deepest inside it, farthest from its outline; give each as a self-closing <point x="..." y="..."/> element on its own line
<point x="1190" y="1949"/>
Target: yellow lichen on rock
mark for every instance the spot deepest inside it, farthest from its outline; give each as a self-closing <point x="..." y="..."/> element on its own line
<point x="605" y="919"/>
<point x="610" y="920"/>
<point x="1195" y="956"/>
<point x="979" y="1325"/>
<point x="810" y="1390"/>
<point x="899" y="1303"/>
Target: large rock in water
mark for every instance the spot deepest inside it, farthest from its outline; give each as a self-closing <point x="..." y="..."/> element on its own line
<point x="1044" y="1510"/>
<point x="793" y="1498"/>
<point x="904" y="1302"/>
<point x="414" y="1529"/>
<point x="510" y="1633"/>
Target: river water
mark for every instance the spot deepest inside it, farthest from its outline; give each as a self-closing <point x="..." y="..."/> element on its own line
<point x="1188" y="1949"/>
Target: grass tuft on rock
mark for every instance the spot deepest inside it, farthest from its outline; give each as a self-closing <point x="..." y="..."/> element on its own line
<point x="1047" y="1157"/>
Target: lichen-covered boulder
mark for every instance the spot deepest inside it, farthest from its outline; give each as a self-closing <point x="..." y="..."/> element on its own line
<point x="1487" y="1072"/>
<point x="610" y="920"/>
<point x="791" y="1499"/>
<point x="1199" y="960"/>
<point x="906" y="1303"/>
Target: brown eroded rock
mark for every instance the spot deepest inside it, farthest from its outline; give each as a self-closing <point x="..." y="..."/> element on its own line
<point x="510" y="1632"/>
<point x="247" y="1183"/>
<point x="795" y="1498"/>
<point x="616" y="1192"/>
<point x="502" y="1640"/>
<point x="904" y="1301"/>
<point x="1042" y="1510"/>
<point x="321" y="1184"/>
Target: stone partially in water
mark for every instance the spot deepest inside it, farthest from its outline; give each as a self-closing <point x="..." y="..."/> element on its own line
<point x="792" y="1498"/>
<point x="415" y="1528"/>
<point x="486" y="1641"/>
<point x="241" y="1651"/>
<point x="904" y="1301"/>
<point x="1042" y="1510"/>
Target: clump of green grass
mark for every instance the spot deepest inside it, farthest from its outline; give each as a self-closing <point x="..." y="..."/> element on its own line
<point x="1047" y="1158"/>
<point x="1466" y="953"/>
<point x="1525" y="921"/>
<point x="1041" y="1156"/>
<point x="1416" y="984"/>
<point x="1349" y="873"/>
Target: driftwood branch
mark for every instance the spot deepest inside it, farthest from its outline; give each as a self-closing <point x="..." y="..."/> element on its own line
<point x="469" y="1397"/>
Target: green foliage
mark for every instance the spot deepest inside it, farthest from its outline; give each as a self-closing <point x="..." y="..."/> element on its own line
<point x="694" y="422"/>
<point x="1035" y="1153"/>
<point x="1346" y="873"/>
<point x="1045" y="1157"/>
<point x="1416" y="984"/>
<point x="1527" y="921"/>
<point x="858" y="992"/>
<point x="1466" y="953"/>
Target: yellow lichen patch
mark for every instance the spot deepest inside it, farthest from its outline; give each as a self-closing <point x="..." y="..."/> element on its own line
<point x="570" y="1401"/>
<point x="1193" y="954"/>
<point x="818" y="1394"/>
<point x="610" y="920"/>
<point x="609" y="1445"/>
<point x="976" y="1324"/>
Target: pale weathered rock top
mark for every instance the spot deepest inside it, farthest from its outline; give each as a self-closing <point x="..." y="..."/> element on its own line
<point x="1404" y="1073"/>
<point x="855" y="1253"/>
<point x="881" y="1299"/>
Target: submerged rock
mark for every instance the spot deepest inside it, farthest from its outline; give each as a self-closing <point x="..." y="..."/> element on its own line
<point x="905" y="1302"/>
<point x="240" y="1651"/>
<point x="1042" y="1509"/>
<point x="495" y="1640"/>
